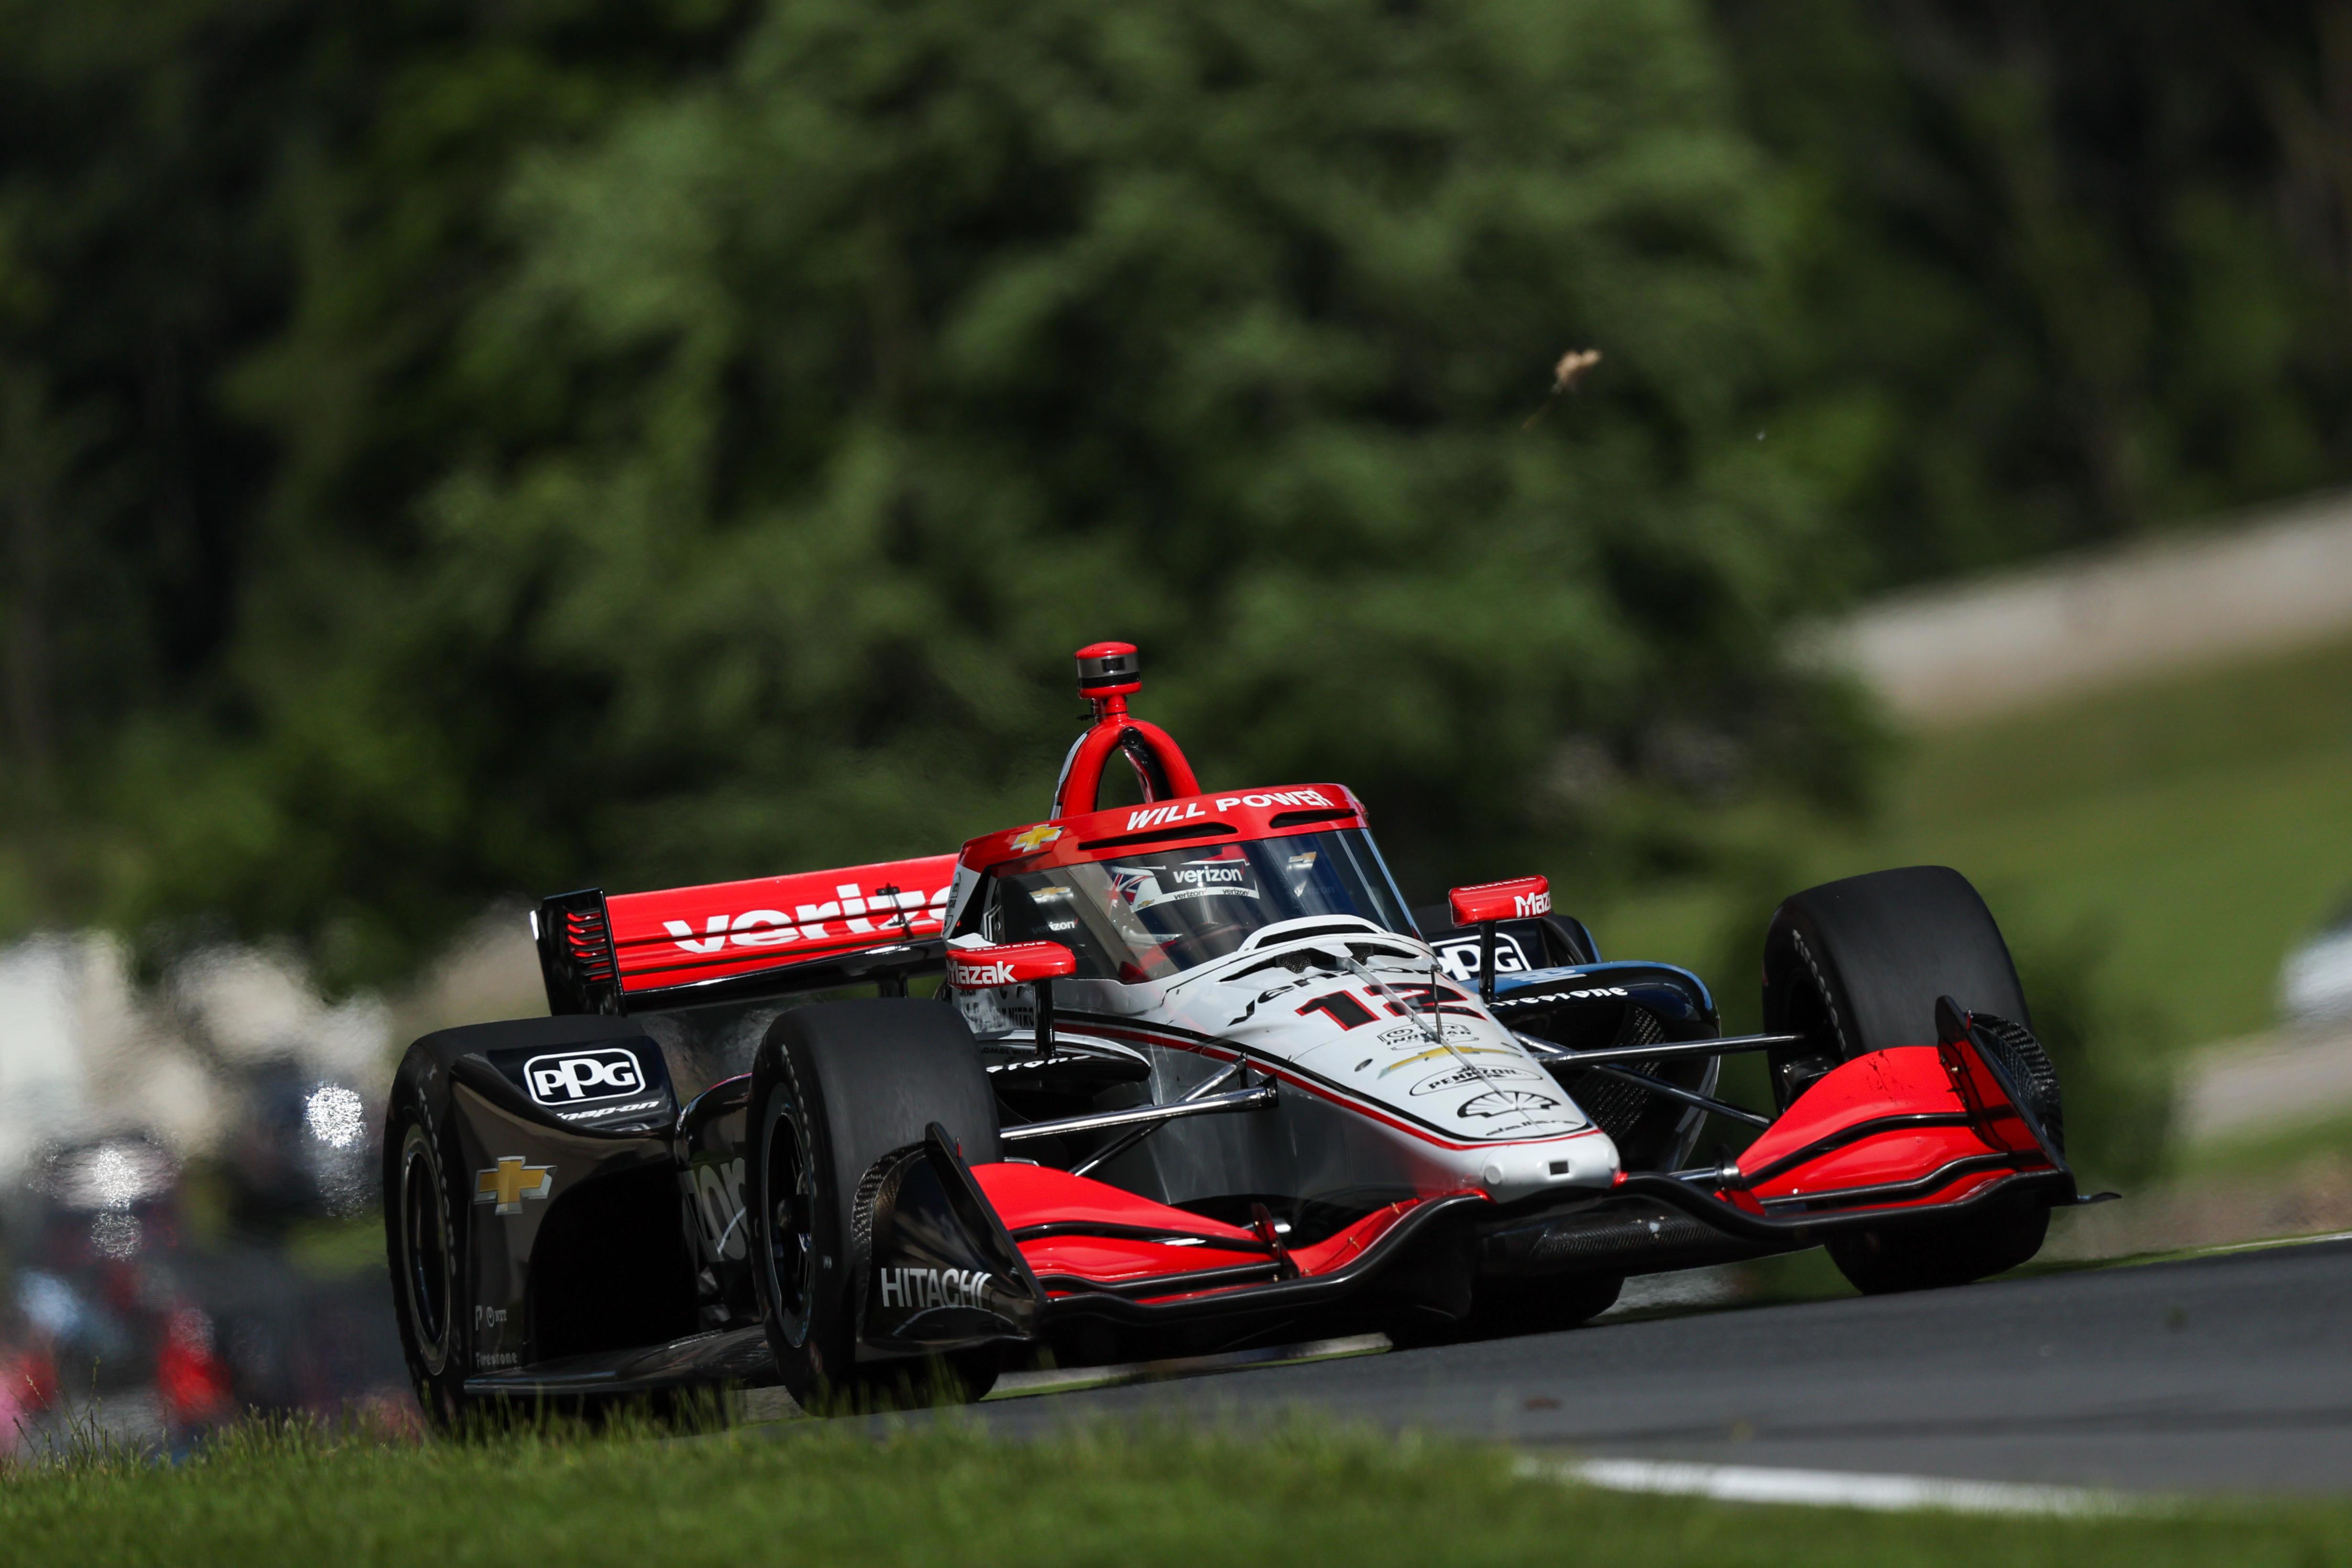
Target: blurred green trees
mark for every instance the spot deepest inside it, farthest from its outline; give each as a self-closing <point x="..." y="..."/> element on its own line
<point x="824" y="404"/>
<point x="2071" y="269"/>
<point x="449" y="452"/>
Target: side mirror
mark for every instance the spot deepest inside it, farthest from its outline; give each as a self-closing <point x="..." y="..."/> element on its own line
<point x="1482" y="905"/>
<point x="1035" y="963"/>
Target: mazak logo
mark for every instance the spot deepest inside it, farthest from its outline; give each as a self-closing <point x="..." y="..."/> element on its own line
<point x="1532" y="904"/>
<point x="985" y="972"/>
<point x="567" y="1078"/>
<point x="919" y="1290"/>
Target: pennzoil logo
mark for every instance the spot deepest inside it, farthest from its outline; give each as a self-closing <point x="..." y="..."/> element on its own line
<point x="505" y="1184"/>
<point x="1462" y="1078"/>
<point x="916" y="1289"/>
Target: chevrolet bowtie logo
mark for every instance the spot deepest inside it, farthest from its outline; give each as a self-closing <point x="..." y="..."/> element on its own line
<point x="1035" y="838"/>
<point x="510" y="1181"/>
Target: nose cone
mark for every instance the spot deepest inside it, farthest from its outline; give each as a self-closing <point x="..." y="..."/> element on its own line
<point x="1524" y="1169"/>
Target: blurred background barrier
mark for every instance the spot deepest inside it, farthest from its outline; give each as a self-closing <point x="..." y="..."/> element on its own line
<point x="449" y="454"/>
<point x="2273" y="583"/>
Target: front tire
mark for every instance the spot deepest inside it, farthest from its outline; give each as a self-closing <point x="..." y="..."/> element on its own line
<point x="1882" y="1262"/>
<point x="835" y="1088"/>
<point x="1856" y="966"/>
<point x="1508" y="1308"/>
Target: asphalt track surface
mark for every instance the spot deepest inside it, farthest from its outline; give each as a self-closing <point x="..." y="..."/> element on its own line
<point x="2222" y="1373"/>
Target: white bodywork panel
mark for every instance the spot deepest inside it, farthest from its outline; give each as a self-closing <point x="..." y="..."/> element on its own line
<point x="1375" y="1097"/>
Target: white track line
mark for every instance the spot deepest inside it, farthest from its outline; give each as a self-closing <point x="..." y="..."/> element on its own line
<point x="1831" y="1489"/>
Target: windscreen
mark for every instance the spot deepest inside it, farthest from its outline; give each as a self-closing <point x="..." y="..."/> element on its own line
<point x="1145" y="917"/>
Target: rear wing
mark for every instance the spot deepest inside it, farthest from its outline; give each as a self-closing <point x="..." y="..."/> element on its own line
<point x="805" y="931"/>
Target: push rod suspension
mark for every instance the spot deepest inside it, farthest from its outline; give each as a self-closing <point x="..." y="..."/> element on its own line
<point x="1238" y="1068"/>
<point x="1262" y="1097"/>
<point x="1688" y="1097"/>
<point x="1547" y="1051"/>
<point x="1665" y="1050"/>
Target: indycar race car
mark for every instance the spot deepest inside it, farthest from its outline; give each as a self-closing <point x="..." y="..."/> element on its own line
<point x="1165" y="1078"/>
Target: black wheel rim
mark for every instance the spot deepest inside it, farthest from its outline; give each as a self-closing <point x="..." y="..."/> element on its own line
<point x="787" y="1191"/>
<point x="425" y="1245"/>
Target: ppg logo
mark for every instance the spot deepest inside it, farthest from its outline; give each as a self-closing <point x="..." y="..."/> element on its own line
<point x="575" y="1076"/>
<point x="1461" y="958"/>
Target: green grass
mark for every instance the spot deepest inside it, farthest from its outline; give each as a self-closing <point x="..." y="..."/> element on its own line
<point x="2192" y="829"/>
<point x="334" y="1249"/>
<point x="814" y="1496"/>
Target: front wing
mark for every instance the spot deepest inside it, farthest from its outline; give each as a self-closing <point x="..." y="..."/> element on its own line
<point x="1917" y="1135"/>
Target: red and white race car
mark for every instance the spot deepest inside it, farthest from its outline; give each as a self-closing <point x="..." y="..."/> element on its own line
<point x="1164" y="1079"/>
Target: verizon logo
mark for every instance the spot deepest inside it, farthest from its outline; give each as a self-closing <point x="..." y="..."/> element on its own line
<point x="854" y="911"/>
<point x="1187" y="811"/>
<point x="1198" y="875"/>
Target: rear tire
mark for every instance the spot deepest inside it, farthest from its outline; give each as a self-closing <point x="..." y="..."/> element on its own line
<point x="423" y="1244"/>
<point x="1856" y="966"/>
<point x="835" y="1088"/>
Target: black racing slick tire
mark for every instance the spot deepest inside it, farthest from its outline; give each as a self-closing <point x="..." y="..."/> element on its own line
<point x="836" y="1086"/>
<point x="1882" y="1262"/>
<point x="1856" y="966"/>
<point x="422" y="1216"/>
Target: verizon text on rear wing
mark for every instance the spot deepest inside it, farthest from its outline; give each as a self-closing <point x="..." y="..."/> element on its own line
<point x="617" y="954"/>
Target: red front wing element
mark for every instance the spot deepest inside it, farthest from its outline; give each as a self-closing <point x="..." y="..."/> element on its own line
<point x="1085" y="1238"/>
<point x="1893" y="1136"/>
<point x="1889" y="1127"/>
<point x="1911" y="1130"/>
